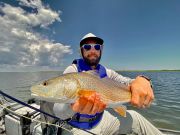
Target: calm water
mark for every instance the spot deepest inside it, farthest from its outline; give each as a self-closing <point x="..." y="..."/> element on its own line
<point x="164" y="112"/>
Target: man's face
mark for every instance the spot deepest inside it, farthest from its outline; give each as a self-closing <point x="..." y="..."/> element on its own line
<point x="92" y="56"/>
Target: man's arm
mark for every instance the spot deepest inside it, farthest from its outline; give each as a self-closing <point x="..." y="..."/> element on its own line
<point x="142" y="92"/>
<point x="71" y="69"/>
<point x="117" y="77"/>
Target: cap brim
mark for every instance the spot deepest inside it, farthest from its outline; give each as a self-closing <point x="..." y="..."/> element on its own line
<point x="98" y="40"/>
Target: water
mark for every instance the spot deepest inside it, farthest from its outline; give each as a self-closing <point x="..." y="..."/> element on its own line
<point x="164" y="112"/>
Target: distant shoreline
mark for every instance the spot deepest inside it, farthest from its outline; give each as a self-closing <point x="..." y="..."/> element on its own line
<point x="164" y="70"/>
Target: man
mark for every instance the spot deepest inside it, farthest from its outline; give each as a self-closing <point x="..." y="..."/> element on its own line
<point x="89" y="112"/>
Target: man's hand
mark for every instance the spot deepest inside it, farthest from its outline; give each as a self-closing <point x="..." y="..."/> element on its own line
<point x="89" y="104"/>
<point x="142" y="93"/>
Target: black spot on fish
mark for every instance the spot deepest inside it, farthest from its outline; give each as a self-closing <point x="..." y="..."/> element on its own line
<point x="45" y="83"/>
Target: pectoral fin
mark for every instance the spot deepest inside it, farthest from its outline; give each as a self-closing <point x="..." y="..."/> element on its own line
<point x="121" y="110"/>
<point x="86" y="92"/>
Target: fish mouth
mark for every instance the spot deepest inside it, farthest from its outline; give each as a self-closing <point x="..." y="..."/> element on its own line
<point x="35" y="89"/>
<point x="34" y="95"/>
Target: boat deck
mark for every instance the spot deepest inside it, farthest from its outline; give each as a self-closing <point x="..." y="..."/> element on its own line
<point x="22" y="110"/>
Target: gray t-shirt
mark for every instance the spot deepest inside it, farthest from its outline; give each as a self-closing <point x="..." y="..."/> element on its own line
<point x="64" y="111"/>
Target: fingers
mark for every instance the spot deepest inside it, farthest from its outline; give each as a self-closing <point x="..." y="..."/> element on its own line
<point x="79" y="104"/>
<point x="96" y="105"/>
<point x="102" y="106"/>
<point x="149" y="98"/>
<point x="135" y="99"/>
<point x="142" y="94"/>
<point x="95" y="108"/>
<point x="99" y="105"/>
<point x="89" y="105"/>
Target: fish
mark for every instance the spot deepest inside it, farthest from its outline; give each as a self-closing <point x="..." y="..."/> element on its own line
<point x="67" y="88"/>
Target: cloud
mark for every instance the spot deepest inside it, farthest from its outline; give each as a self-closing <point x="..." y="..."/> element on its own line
<point x="20" y="44"/>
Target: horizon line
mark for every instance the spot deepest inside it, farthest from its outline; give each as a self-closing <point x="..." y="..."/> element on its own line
<point x="143" y="70"/>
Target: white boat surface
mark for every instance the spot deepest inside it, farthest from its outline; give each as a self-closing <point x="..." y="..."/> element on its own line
<point x="12" y="122"/>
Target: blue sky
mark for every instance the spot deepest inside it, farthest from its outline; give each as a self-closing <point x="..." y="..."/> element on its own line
<point x="137" y="34"/>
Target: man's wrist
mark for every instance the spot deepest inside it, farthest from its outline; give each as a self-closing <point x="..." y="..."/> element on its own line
<point x="147" y="78"/>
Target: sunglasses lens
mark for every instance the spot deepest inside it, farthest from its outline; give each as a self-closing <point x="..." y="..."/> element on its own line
<point x="97" y="47"/>
<point x="87" y="47"/>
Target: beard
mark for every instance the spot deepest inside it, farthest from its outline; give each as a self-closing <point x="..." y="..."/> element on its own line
<point x="92" y="62"/>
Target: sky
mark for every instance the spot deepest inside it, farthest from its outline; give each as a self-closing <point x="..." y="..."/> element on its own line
<point x="45" y="35"/>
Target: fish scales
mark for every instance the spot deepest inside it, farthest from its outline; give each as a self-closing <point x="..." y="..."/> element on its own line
<point x="67" y="88"/>
<point x="68" y="85"/>
<point x="106" y="87"/>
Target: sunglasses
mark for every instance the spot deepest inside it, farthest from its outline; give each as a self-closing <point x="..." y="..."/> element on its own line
<point x="88" y="47"/>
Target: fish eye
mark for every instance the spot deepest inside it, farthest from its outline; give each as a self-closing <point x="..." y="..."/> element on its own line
<point x="45" y="83"/>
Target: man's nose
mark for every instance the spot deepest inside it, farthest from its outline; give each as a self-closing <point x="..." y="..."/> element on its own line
<point x="93" y="49"/>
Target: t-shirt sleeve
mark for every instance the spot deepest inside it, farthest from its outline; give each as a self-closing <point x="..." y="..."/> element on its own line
<point x="118" y="77"/>
<point x="70" y="69"/>
<point x="63" y="111"/>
